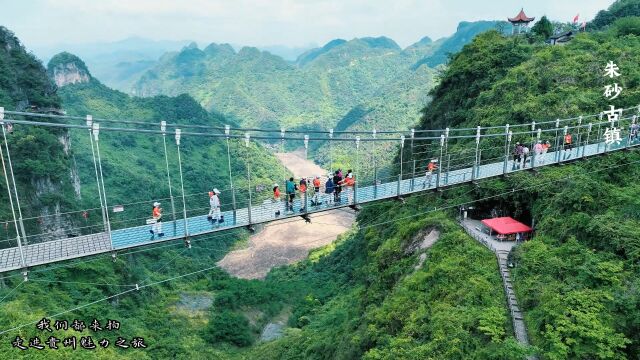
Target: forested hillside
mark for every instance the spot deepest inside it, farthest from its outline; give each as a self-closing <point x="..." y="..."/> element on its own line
<point x="580" y="271"/>
<point x="406" y="282"/>
<point x="323" y="86"/>
<point x="42" y="165"/>
<point x="139" y="158"/>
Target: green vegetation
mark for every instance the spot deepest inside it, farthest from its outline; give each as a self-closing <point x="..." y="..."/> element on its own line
<point x="543" y="28"/>
<point x="367" y="295"/>
<point x="389" y="310"/>
<point x="320" y="88"/>
<point x="134" y="165"/>
<point x="575" y="280"/>
<point x="619" y="9"/>
<point x="362" y="297"/>
<point x="38" y="155"/>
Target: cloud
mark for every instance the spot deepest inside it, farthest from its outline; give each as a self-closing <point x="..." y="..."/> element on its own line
<point x="261" y="22"/>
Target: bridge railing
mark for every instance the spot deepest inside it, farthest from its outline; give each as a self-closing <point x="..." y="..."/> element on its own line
<point x="462" y="155"/>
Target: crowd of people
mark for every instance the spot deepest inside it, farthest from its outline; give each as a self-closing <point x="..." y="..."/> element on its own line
<point x="337" y="183"/>
<point x="311" y="188"/>
<point x="521" y="153"/>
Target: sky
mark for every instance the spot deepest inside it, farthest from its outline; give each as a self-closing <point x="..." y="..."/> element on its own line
<point x="262" y="23"/>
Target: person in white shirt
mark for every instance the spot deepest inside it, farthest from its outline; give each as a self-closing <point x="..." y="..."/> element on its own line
<point x="214" y="204"/>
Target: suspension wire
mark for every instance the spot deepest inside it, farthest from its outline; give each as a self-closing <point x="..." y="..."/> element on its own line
<point x="139" y="287"/>
<point x="13" y="179"/>
<point x="81" y="283"/>
<point x="240" y="129"/>
<point x="12" y="291"/>
<point x="271" y="138"/>
<point x="156" y="270"/>
<point x="13" y="211"/>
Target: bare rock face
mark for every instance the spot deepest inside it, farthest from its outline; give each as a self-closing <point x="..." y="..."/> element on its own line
<point x="69" y="73"/>
<point x="66" y="69"/>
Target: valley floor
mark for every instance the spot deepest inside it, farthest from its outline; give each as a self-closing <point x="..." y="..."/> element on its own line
<point x="288" y="241"/>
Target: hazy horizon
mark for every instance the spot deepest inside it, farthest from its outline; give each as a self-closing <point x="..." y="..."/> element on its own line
<point x="263" y="23"/>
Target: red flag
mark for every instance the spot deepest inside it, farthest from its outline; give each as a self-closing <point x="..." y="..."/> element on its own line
<point x="575" y="19"/>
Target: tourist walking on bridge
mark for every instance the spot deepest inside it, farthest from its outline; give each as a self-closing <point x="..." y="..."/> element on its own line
<point x="156" y="220"/>
<point x="525" y="154"/>
<point x="538" y="149"/>
<point x="290" y="187"/>
<point x="545" y="150"/>
<point x="276" y="200"/>
<point x="214" y="207"/>
<point x="567" y="145"/>
<point x="431" y="167"/>
<point x="329" y="189"/>
<point x="337" y="183"/>
<point x="349" y="183"/>
<point x="303" y="194"/>
<point x="517" y="156"/>
<point x="633" y="132"/>
<point x="316" y="191"/>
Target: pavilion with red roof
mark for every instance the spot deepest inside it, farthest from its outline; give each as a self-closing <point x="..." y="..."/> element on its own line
<point x="520" y="21"/>
<point x="507" y="227"/>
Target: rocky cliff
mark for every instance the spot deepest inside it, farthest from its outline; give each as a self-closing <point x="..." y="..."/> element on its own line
<point x="66" y="68"/>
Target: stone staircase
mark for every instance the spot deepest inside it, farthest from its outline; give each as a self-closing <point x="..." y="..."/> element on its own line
<point x="501" y="254"/>
<point x="512" y="302"/>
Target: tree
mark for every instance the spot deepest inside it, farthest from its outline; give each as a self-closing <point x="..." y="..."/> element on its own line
<point x="543" y="28"/>
<point x="628" y="26"/>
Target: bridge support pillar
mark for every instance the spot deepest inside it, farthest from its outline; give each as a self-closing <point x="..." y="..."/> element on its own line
<point x="413" y="175"/>
<point x="398" y="193"/>
<point x="227" y="132"/>
<point x="96" y="131"/>
<point x="184" y="202"/>
<point x="95" y="167"/>
<point x="443" y="139"/>
<point x="247" y="139"/>
<point x="507" y="145"/>
<point x="475" y="161"/>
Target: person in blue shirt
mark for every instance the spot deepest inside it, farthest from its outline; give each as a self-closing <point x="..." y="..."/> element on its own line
<point x="329" y="189"/>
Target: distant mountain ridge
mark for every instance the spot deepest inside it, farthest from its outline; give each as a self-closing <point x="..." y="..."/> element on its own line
<point x="319" y="88"/>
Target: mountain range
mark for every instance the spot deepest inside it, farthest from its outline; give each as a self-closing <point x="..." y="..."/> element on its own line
<point x="322" y="86"/>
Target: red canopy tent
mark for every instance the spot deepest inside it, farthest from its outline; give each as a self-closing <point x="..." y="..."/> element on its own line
<point x="506" y="225"/>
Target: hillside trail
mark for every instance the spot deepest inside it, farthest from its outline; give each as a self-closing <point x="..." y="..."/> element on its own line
<point x="288" y="241"/>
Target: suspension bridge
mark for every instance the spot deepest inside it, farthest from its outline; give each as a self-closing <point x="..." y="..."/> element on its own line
<point x="463" y="155"/>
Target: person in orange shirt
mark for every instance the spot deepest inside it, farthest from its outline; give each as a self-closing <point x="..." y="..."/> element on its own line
<point x="156" y="214"/>
<point x="316" y="191"/>
<point x="431" y="167"/>
<point x="567" y="145"/>
<point x="348" y="184"/>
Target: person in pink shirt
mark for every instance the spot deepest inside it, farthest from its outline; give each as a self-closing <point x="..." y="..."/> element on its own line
<point x="537" y="150"/>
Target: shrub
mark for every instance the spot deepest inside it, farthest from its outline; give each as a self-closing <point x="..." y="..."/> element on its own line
<point x="230" y="327"/>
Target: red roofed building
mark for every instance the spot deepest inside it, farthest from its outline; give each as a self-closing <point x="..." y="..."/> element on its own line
<point x="520" y="21"/>
<point x="505" y="226"/>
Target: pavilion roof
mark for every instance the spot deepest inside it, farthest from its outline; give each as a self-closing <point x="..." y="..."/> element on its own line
<point x="521" y="18"/>
<point x="506" y="225"/>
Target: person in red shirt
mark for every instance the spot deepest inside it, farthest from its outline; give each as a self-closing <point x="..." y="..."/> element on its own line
<point x="276" y="199"/>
